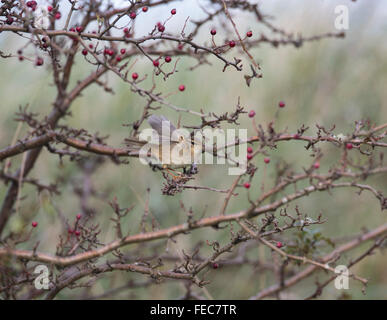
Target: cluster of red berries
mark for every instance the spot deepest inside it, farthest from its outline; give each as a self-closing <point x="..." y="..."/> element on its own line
<point x="39" y="61"/>
<point x="127" y="32"/>
<point x="160" y="27"/>
<point x="167" y="59"/>
<point x="108" y="52"/>
<point x="20" y="52"/>
<point x="76" y="232"/>
<point x="249" y="153"/>
<point x="32" y="5"/>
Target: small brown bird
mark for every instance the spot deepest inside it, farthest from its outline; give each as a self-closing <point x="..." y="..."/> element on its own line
<point x="173" y="151"/>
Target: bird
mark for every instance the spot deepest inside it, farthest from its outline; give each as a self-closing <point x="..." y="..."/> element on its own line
<point x="172" y="151"/>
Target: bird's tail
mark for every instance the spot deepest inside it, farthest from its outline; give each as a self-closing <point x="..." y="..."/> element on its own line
<point x="134" y="144"/>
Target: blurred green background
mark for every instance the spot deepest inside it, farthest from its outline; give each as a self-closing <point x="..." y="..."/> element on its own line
<point x="333" y="81"/>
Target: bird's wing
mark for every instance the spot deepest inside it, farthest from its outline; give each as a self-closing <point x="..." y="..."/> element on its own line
<point x="161" y="125"/>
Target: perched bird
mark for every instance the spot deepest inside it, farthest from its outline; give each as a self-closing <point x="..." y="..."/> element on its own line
<point x="170" y="148"/>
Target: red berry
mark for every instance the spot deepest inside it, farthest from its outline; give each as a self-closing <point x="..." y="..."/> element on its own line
<point x="266" y="160"/>
<point x="316" y="165"/>
<point x="249" y="150"/>
<point x="34" y="224"/>
<point x="249" y="156"/>
<point x="126" y="30"/>
<point x="173" y="11"/>
<point x="168" y="59"/>
<point x="118" y="58"/>
<point x="213" y="32"/>
<point x="182" y="87"/>
<point x="70" y="231"/>
<point x="160" y="27"/>
<point x="110" y="52"/>
<point x="247" y="185"/>
<point x="215" y="265"/>
<point x="134" y="75"/>
<point x="78" y="216"/>
<point x="180" y="46"/>
<point x="144" y="9"/>
<point x="132" y="15"/>
<point x="77" y="233"/>
<point x="279" y="244"/>
<point x="281" y="104"/>
<point x="39" y="61"/>
<point x="123" y="51"/>
<point x="10" y="20"/>
<point x="349" y="146"/>
<point x="58" y="15"/>
<point x="79" y="28"/>
<point x="156" y="63"/>
<point x="72" y="29"/>
<point x="21" y="58"/>
<point x="249" y="34"/>
<point x="231" y="44"/>
<point x="91" y="46"/>
<point x="251" y="114"/>
<point x="49" y="8"/>
<point x="84" y="52"/>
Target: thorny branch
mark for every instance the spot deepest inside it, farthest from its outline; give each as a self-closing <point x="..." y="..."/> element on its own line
<point x="93" y="31"/>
